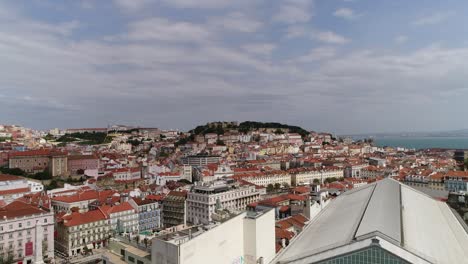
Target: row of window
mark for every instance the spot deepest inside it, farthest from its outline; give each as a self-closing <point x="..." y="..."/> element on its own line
<point x="20" y="225"/>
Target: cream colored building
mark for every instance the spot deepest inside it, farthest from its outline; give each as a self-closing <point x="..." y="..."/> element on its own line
<point x="203" y="199"/>
<point x="266" y="178"/>
<point x="77" y="231"/>
<point x="300" y="177"/>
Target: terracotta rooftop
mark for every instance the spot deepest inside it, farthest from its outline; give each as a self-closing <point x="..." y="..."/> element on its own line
<point x="7" y="177"/>
<point x="19" y="209"/>
<point x="75" y="218"/>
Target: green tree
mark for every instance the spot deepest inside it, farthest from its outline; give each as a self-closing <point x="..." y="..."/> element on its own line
<point x="14" y="171"/>
<point x="316" y="181"/>
<point x="44" y="175"/>
<point x="8" y="259"/>
<point x="330" y="180"/>
<point x="279" y="131"/>
<point x="52" y="185"/>
<point x="270" y="187"/>
<point x="286" y="185"/>
<point x="184" y="181"/>
<point x="466" y="163"/>
<point x="219" y="142"/>
<point x="277" y="186"/>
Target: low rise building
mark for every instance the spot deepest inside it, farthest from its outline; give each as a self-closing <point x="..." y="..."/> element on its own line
<point x="456" y="181"/>
<point x="79" y="199"/>
<point x="126" y="174"/>
<point x="200" y="160"/>
<point x="175" y="209"/>
<point x="301" y="176"/>
<point x="33" y="161"/>
<point x="79" y="231"/>
<point x="265" y="178"/>
<point x="149" y="214"/>
<point x="245" y="238"/>
<point x="203" y="200"/>
<point x="78" y="164"/>
<point x="26" y="233"/>
<point x="123" y="218"/>
<point x="13" y="187"/>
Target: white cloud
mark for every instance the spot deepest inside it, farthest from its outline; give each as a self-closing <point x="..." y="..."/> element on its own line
<point x="237" y="21"/>
<point x="317" y="54"/>
<point x="157" y="65"/>
<point x="346" y="13"/>
<point x="433" y="19"/>
<point x="165" y="30"/>
<point x="401" y="39"/>
<point x="263" y="49"/>
<point x="132" y="5"/>
<point x="295" y="31"/>
<point x="330" y="37"/>
<point x="198" y="3"/>
<point x="294" y="11"/>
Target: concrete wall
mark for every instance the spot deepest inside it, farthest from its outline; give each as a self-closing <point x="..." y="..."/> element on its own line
<point x="259" y="238"/>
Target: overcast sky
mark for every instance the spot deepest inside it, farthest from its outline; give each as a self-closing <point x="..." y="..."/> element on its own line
<point x="344" y="66"/>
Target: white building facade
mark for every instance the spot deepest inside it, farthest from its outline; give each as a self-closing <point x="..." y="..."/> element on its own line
<point x="203" y="200"/>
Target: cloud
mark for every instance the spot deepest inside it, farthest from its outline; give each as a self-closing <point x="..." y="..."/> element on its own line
<point x="346" y="13"/>
<point x="433" y="19"/>
<point x="263" y="49"/>
<point x="186" y="66"/>
<point x="295" y="31"/>
<point x="401" y="39"/>
<point x="132" y="5"/>
<point x="330" y="37"/>
<point x="294" y="11"/>
<point x="198" y="3"/>
<point x="165" y="30"/>
<point x="237" y="21"/>
<point x="317" y="54"/>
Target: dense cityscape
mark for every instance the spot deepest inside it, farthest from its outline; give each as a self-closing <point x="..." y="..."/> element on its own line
<point x="226" y="192"/>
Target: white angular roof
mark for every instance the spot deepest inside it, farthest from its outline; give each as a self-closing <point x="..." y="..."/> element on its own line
<point x="411" y="225"/>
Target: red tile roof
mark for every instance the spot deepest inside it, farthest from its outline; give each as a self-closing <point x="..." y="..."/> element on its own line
<point x="108" y="210"/>
<point x="8" y="177"/>
<point x="19" y="209"/>
<point x="75" y="218"/>
<point x="13" y="191"/>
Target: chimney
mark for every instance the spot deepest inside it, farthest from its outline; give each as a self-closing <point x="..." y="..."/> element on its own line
<point x="283" y="242"/>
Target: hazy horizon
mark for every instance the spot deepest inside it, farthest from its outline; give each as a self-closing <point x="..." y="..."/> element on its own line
<point x="341" y="66"/>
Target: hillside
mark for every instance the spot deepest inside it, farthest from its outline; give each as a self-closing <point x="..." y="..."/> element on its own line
<point x="247" y="126"/>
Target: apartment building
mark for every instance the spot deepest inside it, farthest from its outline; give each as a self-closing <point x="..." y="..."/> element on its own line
<point x="26" y="233"/>
<point x="34" y="161"/>
<point x="203" y="200"/>
<point x="456" y="181"/>
<point x="265" y="178"/>
<point x="200" y="160"/>
<point x="13" y="187"/>
<point x="149" y="213"/>
<point x="300" y="176"/>
<point x="123" y="218"/>
<point x="78" y="164"/>
<point x="77" y="231"/>
<point x="175" y="209"/>
<point x="79" y="199"/>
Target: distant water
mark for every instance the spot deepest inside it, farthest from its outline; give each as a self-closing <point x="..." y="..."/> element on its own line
<point x="423" y="142"/>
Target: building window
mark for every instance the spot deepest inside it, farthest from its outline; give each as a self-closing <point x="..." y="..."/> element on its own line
<point x="131" y="259"/>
